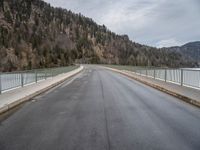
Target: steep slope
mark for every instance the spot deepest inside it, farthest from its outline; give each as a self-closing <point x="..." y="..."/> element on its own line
<point x="190" y="50"/>
<point x="34" y="35"/>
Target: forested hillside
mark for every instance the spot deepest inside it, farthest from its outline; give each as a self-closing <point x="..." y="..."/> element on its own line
<point x="35" y="35"/>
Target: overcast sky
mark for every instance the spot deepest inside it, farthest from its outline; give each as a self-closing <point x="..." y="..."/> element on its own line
<point x="153" y="22"/>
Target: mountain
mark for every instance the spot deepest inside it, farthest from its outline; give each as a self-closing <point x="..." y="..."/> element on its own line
<point x="190" y="50"/>
<point x="34" y="34"/>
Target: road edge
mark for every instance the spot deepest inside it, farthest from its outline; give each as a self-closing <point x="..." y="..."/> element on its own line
<point x="16" y="103"/>
<point x="160" y="88"/>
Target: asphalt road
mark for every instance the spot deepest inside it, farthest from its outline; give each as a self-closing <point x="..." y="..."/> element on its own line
<point x="102" y="110"/>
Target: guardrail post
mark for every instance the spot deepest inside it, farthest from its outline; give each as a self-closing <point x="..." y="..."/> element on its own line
<point x="181" y="77"/>
<point x="199" y="79"/>
<point x="146" y="72"/>
<point x="45" y="74"/>
<point x="0" y="83"/>
<point x="165" y="75"/>
<point x="22" y="79"/>
<point x="154" y="73"/>
<point x="35" y="76"/>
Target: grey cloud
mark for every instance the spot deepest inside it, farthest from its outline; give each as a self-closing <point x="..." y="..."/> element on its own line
<point x="152" y="22"/>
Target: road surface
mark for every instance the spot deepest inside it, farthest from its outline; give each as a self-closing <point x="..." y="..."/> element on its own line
<point x="102" y="110"/>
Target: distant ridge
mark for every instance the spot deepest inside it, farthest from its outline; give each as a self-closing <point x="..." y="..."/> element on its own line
<point x="190" y="50"/>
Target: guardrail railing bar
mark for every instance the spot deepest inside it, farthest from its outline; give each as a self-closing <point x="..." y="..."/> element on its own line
<point x="22" y="78"/>
<point x="181" y="76"/>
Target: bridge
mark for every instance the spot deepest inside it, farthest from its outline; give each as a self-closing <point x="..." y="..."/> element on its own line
<point x="100" y="108"/>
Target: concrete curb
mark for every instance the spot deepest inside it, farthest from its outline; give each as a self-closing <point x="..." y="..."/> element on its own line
<point x="12" y="105"/>
<point x="177" y="95"/>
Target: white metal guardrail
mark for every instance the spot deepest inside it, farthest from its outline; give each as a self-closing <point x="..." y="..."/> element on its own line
<point x="12" y="80"/>
<point x="183" y="77"/>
